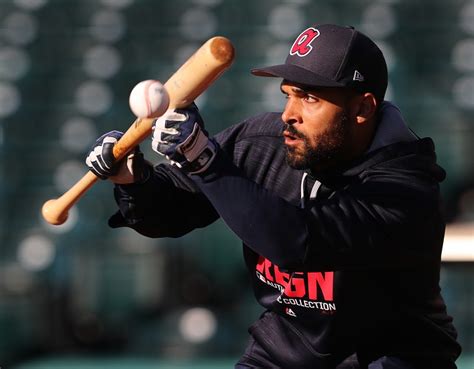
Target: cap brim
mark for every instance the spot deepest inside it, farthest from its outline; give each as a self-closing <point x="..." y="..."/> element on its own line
<point x="294" y="73"/>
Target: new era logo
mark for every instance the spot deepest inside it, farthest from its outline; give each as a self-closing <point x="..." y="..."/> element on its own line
<point x="358" y="77"/>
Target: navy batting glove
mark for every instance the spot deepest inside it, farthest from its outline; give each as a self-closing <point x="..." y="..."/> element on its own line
<point x="101" y="160"/>
<point x="179" y="135"/>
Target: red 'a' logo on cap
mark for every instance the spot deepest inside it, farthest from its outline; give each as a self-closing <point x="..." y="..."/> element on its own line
<point x="302" y="45"/>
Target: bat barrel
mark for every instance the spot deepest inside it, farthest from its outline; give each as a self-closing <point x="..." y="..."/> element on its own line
<point x="222" y="50"/>
<point x="199" y="71"/>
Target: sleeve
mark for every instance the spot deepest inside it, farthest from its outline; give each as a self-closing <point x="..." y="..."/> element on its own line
<point x="371" y="224"/>
<point x="167" y="204"/>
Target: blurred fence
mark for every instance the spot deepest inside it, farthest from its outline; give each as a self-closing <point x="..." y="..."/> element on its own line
<point x="66" y="69"/>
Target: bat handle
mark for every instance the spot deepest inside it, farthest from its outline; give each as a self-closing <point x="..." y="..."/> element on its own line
<point x="55" y="211"/>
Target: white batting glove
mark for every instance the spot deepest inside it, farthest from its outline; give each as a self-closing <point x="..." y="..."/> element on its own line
<point x="102" y="163"/>
<point x="179" y="135"/>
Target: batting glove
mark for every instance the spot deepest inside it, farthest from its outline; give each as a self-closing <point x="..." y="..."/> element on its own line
<point x="102" y="163"/>
<point x="179" y="135"/>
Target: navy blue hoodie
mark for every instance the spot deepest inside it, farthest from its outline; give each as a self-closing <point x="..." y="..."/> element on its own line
<point x="342" y="262"/>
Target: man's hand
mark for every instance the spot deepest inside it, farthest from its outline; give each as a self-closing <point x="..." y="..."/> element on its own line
<point x="179" y="135"/>
<point x="102" y="163"/>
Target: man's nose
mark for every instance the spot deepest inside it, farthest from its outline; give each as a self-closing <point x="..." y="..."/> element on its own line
<point x="290" y="115"/>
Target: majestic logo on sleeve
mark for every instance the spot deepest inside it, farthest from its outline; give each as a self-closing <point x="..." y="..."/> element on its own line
<point x="302" y="45"/>
<point x="310" y="290"/>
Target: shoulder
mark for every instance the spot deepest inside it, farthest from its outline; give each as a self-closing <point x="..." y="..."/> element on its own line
<point x="413" y="159"/>
<point x="403" y="171"/>
<point x="263" y="125"/>
<point x="410" y="158"/>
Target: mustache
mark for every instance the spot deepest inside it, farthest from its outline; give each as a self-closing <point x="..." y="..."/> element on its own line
<point x="290" y="129"/>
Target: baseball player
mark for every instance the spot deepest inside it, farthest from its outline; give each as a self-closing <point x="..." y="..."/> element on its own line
<point x="336" y="202"/>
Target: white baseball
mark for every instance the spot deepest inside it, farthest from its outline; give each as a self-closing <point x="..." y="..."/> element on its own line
<point x="149" y="99"/>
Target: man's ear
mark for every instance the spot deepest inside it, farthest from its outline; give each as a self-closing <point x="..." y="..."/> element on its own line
<point x="366" y="108"/>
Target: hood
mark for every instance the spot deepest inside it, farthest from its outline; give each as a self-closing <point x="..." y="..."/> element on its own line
<point x="395" y="145"/>
<point x="391" y="128"/>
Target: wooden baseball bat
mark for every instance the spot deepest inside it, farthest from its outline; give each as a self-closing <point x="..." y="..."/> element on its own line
<point x="183" y="87"/>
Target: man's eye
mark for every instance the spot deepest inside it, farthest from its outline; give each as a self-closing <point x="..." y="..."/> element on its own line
<point x="310" y="98"/>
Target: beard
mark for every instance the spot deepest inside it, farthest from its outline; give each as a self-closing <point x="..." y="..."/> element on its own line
<point x="323" y="151"/>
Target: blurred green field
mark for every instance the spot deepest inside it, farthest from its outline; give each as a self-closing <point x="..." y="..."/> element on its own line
<point x="464" y="362"/>
<point x="125" y="363"/>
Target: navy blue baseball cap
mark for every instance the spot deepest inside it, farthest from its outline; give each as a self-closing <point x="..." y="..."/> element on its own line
<point x="328" y="55"/>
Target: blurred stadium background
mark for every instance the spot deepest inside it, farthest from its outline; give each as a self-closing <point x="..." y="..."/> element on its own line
<point x="84" y="296"/>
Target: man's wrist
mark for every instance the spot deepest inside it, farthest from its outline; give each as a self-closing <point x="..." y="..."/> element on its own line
<point x="217" y="167"/>
<point x="201" y="160"/>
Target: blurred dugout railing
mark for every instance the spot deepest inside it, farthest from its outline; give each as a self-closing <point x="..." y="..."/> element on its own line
<point x="66" y="69"/>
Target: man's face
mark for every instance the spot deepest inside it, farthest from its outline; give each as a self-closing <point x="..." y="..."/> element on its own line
<point x="317" y="130"/>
